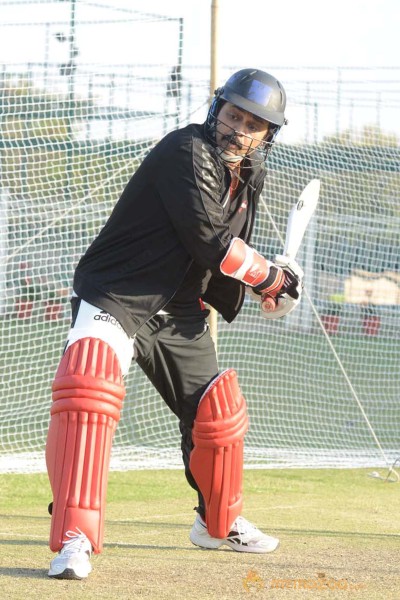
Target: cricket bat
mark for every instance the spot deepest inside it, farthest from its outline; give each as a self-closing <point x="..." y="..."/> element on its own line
<point x="298" y="220"/>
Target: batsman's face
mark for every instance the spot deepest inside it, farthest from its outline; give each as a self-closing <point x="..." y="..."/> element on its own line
<point x="239" y="132"/>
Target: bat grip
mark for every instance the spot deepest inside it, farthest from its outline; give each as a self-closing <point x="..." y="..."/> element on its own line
<point x="268" y="303"/>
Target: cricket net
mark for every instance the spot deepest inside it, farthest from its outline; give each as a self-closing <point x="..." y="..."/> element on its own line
<point x="323" y="384"/>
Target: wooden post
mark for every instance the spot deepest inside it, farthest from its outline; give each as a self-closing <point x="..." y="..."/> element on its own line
<point x="214" y="57"/>
<point x="214" y="80"/>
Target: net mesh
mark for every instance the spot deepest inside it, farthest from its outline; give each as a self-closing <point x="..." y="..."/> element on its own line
<point x="71" y="136"/>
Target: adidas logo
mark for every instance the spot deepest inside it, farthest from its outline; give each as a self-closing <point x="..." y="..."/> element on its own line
<point x="107" y="318"/>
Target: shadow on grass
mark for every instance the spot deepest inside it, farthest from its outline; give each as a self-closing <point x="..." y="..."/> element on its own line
<point x="20" y="572"/>
<point x="107" y="545"/>
<point x="345" y="534"/>
<point x="22" y="542"/>
<point x="282" y="530"/>
<point x="174" y="525"/>
<point x="46" y="517"/>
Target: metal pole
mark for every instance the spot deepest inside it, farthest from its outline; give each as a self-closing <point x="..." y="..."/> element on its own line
<point x="378" y="109"/>
<point x="179" y="77"/>
<point x="70" y="73"/>
<point x="315" y="123"/>
<point x="46" y="54"/>
<point x="4" y="203"/>
<point x="72" y="55"/>
<point x="307" y="116"/>
<point x="214" y="78"/>
<point x="338" y="100"/>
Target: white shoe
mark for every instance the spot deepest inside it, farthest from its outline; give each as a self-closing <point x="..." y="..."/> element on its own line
<point x="73" y="560"/>
<point x="243" y="537"/>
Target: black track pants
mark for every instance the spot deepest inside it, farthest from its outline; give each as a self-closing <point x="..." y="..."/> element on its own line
<point x="178" y="356"/>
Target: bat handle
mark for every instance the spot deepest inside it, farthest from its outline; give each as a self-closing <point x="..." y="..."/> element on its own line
<point x="268" y="303"/>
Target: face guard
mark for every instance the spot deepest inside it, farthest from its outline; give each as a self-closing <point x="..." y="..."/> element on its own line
<point x="255" y="92"/>
<point x="257" y="151"/>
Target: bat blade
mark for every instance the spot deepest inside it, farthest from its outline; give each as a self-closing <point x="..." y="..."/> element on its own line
<point x="300" y="216"/>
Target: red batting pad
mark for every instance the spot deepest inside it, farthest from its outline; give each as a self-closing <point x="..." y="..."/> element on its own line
<point x="216" y="461"/>
<point x="88" y="391"/>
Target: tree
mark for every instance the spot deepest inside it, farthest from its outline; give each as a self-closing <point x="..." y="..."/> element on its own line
<point x="370" y="135"/>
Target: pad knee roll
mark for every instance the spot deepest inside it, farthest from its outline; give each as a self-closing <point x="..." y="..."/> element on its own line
<point x="216" y="461"/>
<point x="88" y="391"/>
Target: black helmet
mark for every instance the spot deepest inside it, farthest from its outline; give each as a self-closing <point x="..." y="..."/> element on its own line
<point x="256" y="92"/>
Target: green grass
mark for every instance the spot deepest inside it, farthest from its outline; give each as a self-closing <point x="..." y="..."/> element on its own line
<point x="334" y="525"/>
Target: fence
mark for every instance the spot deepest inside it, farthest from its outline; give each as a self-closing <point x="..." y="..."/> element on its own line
<point x="72" y="134"/>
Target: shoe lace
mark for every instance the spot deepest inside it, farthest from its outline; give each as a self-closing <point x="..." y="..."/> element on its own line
<point x="241" y="527"/>
<point x="74" y="543"/>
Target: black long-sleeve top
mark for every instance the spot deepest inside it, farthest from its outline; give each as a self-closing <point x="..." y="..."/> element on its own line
<point x="172" y="224"/>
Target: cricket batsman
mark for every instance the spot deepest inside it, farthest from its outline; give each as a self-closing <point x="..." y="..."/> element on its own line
<point x="177" y="240"/>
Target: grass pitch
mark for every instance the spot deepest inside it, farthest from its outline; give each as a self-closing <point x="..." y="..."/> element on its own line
<point x="339" y="532"/>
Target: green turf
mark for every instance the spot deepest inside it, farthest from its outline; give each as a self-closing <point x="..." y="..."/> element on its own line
<point x="335" y="526"/>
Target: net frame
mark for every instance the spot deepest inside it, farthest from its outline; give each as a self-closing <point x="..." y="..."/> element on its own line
<point x="69" y="144"/>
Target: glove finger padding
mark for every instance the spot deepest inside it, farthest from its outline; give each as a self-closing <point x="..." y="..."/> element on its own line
<point x="293" y="275"/>
<point x="285" y="262"/>
<point x="288" y="297"/>
<point x="291" y="284"/>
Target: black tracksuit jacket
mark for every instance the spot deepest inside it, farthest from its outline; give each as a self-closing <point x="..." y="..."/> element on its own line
<point x="170" y="214"/>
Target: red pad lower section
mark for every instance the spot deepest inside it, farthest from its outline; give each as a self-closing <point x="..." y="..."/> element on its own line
<point x="216" y="461"/>
<point x="88" y="391"/>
